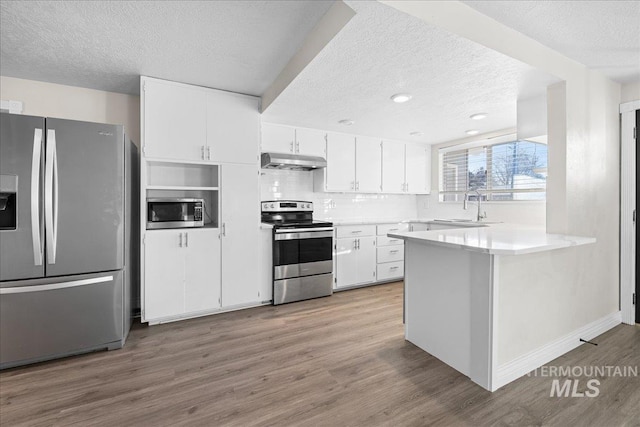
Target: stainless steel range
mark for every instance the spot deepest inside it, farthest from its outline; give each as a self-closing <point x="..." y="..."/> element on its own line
<point x="302" y="251"/>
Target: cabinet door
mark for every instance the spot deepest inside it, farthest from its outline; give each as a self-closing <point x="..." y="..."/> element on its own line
<point x="346" y="263"/>
<point x="419" y="226"/>
<point x="233" y="128"/>
<point x="368" y="165"/>
<point x="366" y="259"/>
<point x="202" y="284"/>
<point x="175" y="122"/>
<point x="392" y="167"/>
<point x="341" y="162"/>
<point x="311" y="142"/>
<point x="164" y="274"/>
<point x="277" y="139"/>
<point x="240" y="212"/>
<point x="417" y="169"/>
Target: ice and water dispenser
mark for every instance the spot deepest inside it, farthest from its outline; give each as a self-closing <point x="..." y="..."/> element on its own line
<point x="8" y="202"/>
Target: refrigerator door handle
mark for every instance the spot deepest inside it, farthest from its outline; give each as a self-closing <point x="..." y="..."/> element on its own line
<point x="51" y="196"/>
<point x="54" y="286"/>
<point x="35" y="197"/>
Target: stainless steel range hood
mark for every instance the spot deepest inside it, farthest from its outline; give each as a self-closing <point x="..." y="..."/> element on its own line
<point x="292" y="162"/>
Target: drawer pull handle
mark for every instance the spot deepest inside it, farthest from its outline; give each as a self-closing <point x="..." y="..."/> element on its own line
<point x="394" y="251"/>
<point x="356" y="232"/>
<point x="393" y="268"/>
<point x="393" y="229"/>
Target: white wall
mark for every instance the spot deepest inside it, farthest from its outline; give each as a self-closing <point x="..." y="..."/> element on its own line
<point x="298" y="185"/>
<point x="74" y="103"/>
<point x="630" y="92"/>
<point x="583" y="174"/>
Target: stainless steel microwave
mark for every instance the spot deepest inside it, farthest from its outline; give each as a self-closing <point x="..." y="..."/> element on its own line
<point x="174" y="213"/>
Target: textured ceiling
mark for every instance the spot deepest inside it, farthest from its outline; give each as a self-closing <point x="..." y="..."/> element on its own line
<point x="382" y="51"/>
<point x="235" y="45"/>
<point x="603" y="35"/>
<point x="243" y="45"/>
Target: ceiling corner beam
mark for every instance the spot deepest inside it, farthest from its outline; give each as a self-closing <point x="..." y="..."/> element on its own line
<point x="329" y="25"/>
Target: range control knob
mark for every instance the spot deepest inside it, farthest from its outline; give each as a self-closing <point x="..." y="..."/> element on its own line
<point x="265" y="206"/>
<point x="271" y="206"/>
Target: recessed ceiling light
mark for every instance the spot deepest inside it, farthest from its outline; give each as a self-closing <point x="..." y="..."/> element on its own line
<point x="416" y="133"/>
<point x="478" y="116"/>
<point x="473" y="132"/>
<point x="401" y="97"/>
<point x="346" y="122"/>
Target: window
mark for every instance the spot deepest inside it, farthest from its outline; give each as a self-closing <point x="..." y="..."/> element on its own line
<point x="511" y="170"/>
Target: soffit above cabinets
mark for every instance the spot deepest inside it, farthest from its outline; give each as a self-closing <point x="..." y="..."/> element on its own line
<point x="381" y="52"/>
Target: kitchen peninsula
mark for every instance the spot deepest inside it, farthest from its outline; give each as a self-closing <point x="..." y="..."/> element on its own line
<point x="494" y="302"/>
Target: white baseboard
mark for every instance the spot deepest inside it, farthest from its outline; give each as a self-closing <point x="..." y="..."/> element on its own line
<point x="195" y="314"/>
<point x="526" y="363"/>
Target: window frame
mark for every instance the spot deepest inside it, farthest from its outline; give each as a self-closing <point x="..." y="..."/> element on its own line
<point x="486" y="194"/>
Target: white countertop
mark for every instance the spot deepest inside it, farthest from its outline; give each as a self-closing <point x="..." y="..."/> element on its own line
<point x="500" y="240"/>
<point x="365" y="221"/>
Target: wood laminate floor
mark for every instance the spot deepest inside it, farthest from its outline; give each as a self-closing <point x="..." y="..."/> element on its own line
<point x="337" y="361"/>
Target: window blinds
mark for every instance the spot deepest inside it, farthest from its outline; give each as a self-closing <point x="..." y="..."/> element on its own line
<point x="514" y="170"/>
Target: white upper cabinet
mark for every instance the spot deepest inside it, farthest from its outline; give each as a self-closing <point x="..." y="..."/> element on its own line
<point x="174" y="120"/>
<point x="354" y="164"/>
<point x="310" y="142"/>
<point x="341" y="161"/>
<point x="406" y="168"/>
<point x="278" y="139"/>
<point x="290" y="140"/>
<point x="393" y="167"/>
<point x="368" y="164"/>
<point x="417" y="169"/>
<point x="233" y="127"/>
<point x="190" y="123"/>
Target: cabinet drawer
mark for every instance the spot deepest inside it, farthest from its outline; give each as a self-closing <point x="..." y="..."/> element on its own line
<point x="390" y="253"/>
<point x="383" y="229"/>
<point x="390" y="270"/>
<point x="355" y="230"/>
<point x="388" y="241"/>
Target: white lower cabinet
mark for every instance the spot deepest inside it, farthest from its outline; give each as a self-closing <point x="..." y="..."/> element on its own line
<point x="182" y="273"/>
<point x="240" y="222"/>
<point x="355" y="261"/>
<point x="420" y="226"/>
<point x="390" y="252"/>
<point x="390" y="271"/>
<point x="202" y="283"/>
<point x="365" y="255"/>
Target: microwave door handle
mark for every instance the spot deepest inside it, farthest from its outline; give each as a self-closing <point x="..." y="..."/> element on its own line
<point x="51" y="196"/>
<point x="35" y="197"/>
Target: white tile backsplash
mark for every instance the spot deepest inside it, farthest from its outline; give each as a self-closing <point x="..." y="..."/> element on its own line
<point x="298" y="185"/>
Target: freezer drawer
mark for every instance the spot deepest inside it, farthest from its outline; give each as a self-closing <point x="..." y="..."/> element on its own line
<point x="47" y="319"/>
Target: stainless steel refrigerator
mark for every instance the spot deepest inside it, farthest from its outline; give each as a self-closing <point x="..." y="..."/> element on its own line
<point x="66" y="259"/>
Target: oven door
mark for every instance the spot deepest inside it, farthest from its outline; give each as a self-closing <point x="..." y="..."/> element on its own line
<point x="302" y="252"/>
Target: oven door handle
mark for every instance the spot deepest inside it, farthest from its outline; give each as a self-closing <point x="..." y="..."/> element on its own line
<point x="305" y="235"/>
<point x="299" y="230"/>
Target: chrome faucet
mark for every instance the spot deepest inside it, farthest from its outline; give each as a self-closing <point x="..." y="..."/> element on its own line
<point x="480" y="216"/>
